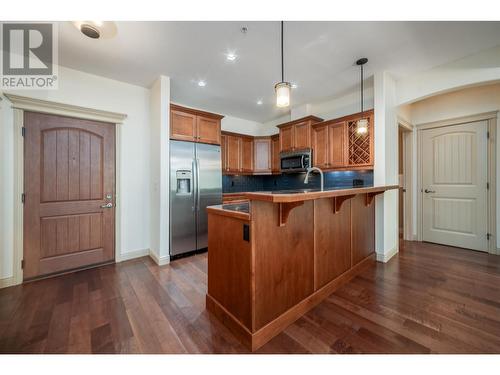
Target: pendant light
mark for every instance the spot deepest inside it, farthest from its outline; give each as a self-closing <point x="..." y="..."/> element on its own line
<point x="362" y="124"/>
<point x="282" y="88"/>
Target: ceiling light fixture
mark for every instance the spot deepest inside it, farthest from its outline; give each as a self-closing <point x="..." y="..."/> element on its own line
<point x="231" y="57"/>
<point x="294" y="86"/>
<point x="282" y="88"/>
<point x="202" y="83"/>
<point x="259" y="102"/>
<point x="362" y="124"/>
<point x="97" y="29"/>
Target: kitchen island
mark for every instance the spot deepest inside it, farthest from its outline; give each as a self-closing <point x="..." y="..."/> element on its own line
<point x="276" y="257"/>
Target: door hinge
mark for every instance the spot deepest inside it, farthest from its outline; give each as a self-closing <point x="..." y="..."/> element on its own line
<point x="488" y="236"/>
<point x="488" y="134"/>
<point x="22" y="264"/>
<point x="23" y="197"/>
<point x="487" y="186"/>
<point x="23" y="131"/>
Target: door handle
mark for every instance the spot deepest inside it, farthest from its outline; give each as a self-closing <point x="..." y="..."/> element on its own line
<point x="107" y="205"/>
<point x="429" y="191"/>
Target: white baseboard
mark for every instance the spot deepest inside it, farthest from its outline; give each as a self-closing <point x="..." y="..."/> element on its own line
<point x="159" y="261"/>
<point x="384" y="258"/>
<point x="132" y="255"/>
<point x="8" y="281"/>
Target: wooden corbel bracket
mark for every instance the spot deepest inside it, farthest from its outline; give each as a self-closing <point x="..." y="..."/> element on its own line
<point x="284" y="211"/>
<point x="337" y="201"/>
<point x="370" y="196"/>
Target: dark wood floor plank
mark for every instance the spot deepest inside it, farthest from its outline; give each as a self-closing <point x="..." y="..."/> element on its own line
<point x="427" y="299"/>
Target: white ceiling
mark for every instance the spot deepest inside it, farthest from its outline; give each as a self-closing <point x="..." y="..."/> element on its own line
<point x="319" y="57"/>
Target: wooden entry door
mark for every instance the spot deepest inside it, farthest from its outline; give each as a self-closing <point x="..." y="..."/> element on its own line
<point x="69" y="183"/>
<point x="454" y="184"/>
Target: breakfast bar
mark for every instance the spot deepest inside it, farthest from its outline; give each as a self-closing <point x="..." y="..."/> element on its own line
<point x="275" y="257"/>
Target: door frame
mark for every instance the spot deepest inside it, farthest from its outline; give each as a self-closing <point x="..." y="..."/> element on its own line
<point x="491" y="118"/>
<point x="408" y="167"/>
<point x="20" y="104"/>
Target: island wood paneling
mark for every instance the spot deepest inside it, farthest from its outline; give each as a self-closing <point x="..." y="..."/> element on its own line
<point x="284" y="259"/>
<point x="332" y="240"/>
<point x="229" y="265"/>
<point x="362" y="228"/>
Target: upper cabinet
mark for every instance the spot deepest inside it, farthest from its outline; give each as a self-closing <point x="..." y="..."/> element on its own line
<point x="188" y="124"/>
<point x="337" y="145"/>
<point x="296" y="135"/>
<point x="275" y="154"/>
<point x="262" y="155"/>
<point x="246" y="154"/>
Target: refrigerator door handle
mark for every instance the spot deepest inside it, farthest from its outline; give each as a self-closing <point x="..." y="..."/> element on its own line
<point x="195" y="183"/>
<point x="197" y="186"/>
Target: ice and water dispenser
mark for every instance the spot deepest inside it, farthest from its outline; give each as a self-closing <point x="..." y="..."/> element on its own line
<point x="184" y="181"/>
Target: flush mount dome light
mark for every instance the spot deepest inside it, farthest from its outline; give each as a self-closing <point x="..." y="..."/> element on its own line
<point x="96" y="29"/>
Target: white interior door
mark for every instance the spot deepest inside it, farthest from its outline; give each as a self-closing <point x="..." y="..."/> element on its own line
<point x="454" y="184"/>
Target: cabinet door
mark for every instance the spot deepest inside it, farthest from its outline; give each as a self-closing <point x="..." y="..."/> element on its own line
<point x="302" y="135"/>
<point x="320" y="146"/>
<point x="286" y="138"/>
<point x="275" y="152"/>
<point x="336" y="145"/>
<point x="207" y="130"/>
<point x="262" y="155"/>
<point x="233" y="153"/>
<point x="246" y="154"/>
<point x="359" y="146"/>
<point x="182" y="126"/>
<point x="223" y="150"/>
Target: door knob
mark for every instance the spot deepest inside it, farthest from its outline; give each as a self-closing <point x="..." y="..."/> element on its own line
<point x="108" y="205"/>
<point x="429" y="191"/>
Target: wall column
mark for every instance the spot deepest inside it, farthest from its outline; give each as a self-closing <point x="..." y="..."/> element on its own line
<point x="160" y="169"/>
<point x="386" y="171"/>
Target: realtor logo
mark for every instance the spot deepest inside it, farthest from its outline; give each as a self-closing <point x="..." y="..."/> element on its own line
<point x="29" y="56"/>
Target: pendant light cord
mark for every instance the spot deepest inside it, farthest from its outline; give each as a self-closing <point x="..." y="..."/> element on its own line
<point x="282" y="64"/>
<point x="361" y="88"/>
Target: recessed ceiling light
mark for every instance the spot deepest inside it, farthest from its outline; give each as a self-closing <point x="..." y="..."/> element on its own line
<point x="259" y="102"/>
<point x="96" y="29"/>
<point x="202" y="83"/>
<point x="294" y="86"/>
<point x="231" y="56"/>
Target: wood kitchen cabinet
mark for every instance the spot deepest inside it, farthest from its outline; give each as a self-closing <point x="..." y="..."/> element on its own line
<point x="275" y="154"/>
<point x="192" y="125"/>
<point x="233" y="154"/>
<point x="247" y="154"/>
<point x="262" y="155"/>
<point x="244" y="154"/>
<point x="337" y="145"/>
<point x="296" y="135"/>
<point x="223" y="149"/>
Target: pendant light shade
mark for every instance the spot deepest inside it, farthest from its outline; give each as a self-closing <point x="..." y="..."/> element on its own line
<point x="283" y="89"/>
<point x="362" y="124"/>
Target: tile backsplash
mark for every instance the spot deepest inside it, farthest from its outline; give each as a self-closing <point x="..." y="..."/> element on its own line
<point x="240" y="183"/>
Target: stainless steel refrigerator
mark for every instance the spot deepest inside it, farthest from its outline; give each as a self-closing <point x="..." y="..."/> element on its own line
<point x="195" y="183"/>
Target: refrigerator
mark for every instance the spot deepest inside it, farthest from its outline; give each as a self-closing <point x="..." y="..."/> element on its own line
<point x="195" y="183"/>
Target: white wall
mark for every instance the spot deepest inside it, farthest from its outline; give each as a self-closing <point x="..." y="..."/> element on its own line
<point x="329" y="109"/>
<point x="87" y="90"/>
<point x="386" y="166"/>
<point x="477" y="69"/>
<point x="460" y="103"/>
<point x="239" y="125"/>
<point x="6" y="190"/>
<point x="160" y="170"/>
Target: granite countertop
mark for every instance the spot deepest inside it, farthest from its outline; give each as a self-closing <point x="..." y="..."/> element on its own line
<point x="285" y="196"/>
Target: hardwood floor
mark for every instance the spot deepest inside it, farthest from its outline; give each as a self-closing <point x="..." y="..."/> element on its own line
<point x="428" y="299"/>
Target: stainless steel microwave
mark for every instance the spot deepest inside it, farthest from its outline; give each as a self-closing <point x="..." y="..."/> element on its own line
<point x="295" y="161"/>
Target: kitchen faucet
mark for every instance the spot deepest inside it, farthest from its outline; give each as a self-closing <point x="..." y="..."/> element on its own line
<point x="311" y="169"/>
